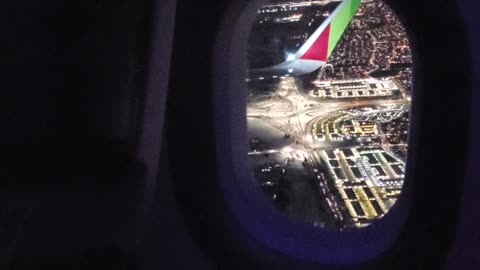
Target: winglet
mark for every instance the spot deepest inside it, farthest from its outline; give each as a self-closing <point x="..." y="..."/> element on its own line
<point x="321" y="43"/>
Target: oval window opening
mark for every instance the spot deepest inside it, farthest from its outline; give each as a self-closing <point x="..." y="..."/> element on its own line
<point x="329" y="93"/>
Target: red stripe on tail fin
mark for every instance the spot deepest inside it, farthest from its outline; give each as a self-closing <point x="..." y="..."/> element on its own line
<point x="319" y="48"/>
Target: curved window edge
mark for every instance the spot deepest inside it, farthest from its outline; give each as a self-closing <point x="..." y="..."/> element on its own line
<point x="246" y="201"/>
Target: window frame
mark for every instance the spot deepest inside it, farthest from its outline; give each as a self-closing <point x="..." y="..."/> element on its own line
<point x="217" y="213"/>
<point x="248" y="203"/>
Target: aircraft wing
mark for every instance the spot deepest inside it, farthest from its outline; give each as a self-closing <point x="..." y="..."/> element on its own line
<point x="318" y="47"/>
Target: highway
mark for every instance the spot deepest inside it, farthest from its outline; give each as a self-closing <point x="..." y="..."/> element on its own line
<point x="294" y="113"/>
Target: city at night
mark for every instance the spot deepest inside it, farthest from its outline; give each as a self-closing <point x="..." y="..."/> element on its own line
<point x="240" y="135"/>
<point x="328" y="109"/>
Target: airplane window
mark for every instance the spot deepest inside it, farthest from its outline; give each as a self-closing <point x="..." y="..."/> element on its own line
<point x="329" y="93"/>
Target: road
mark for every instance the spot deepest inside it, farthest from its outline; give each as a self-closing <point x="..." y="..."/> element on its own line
<point x="294" y="113"/>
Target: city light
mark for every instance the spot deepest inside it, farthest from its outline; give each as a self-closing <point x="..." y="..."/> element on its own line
<point x="287" y="149"/>
<point x="328" y="143"/>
